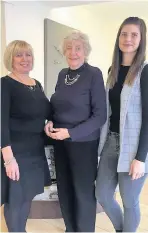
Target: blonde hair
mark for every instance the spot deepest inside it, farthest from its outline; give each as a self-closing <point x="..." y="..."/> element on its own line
<point x="78" y="35"/>
<point x="14" y="48"/>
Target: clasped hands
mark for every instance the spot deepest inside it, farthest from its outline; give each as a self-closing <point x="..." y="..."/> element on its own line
<point x="137" y="168"/>
<point x="56" y="133"/>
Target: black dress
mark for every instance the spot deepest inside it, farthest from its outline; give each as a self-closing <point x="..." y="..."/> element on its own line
<point x="24" y="111"/>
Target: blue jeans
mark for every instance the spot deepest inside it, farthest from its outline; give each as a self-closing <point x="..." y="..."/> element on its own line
<point x="106" y="183"/>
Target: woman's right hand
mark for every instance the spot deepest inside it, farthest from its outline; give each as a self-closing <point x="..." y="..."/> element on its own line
<point x="48" y="128"/>
<point x="12" y="170"/>
<point x="11" y="165"/>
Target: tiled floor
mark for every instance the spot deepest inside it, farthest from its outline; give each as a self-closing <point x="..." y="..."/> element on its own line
<point x="103" y="224"/>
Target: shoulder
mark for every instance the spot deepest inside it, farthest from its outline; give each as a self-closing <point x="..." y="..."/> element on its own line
<point x="39" y="85"/>
<point x="145" y="68"/>
<point x="6" y="85"/>
<point x="94" y="70"/>
<point x="144" y="75"/>
<point x="63" y="72"/>
<point x="38" y="82"/>
<point x="5" y="80"/>
<point x="95" y="75"/>
<point x="5" y="77"/>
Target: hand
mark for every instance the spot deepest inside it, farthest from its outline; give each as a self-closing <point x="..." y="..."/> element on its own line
<point x="60" y="134"/>
<point x="48" y="128"/>
<point x="12" y="170"/>
<point x="137" y="169"/>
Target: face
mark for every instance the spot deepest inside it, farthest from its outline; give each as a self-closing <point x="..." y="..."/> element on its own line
<point x="129" y="38"/>
<point x="22" y="62"/>
<point x="75" y="54"/>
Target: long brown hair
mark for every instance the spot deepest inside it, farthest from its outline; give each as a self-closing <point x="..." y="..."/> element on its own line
<point x="138" y="59"/>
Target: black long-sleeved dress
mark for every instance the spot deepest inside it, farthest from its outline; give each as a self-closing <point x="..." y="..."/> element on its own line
<point x="24" y="110"/>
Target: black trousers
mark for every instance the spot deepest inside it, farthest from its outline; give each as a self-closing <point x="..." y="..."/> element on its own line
<point x="16" y="215"/>
<point x="76" y="169"/>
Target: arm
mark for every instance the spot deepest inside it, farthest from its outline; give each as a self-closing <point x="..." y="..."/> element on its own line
<point x="5" y="114"/>
<point x="49" y="125"/>
<point x="49" y="114"/>
<point x="98" y="108"/>
<point x="12" y="169"/>
<point x="143" y="140"/>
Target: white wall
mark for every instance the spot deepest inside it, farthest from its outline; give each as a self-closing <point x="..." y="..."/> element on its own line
<point x="83" y="19"/>
<point x="99" y="21"/>
<point x="26" y="22"/>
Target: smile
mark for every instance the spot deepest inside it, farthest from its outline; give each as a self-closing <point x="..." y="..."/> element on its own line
<point x="128" y="45"/>
<point x="73" y="59"/>
<point x="24" y="65"/>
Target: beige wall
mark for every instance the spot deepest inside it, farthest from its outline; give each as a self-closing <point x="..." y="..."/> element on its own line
<point x="99" y="21"/>
<point x="3" y="39"/>
<point x="3" y="227"/>
<point x="25" y="21"/>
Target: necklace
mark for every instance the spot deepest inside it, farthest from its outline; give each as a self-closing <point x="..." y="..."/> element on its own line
<point x="30" y="87"/>
<point x="70" y="81"/>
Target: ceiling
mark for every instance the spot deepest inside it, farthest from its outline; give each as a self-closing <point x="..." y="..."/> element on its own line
<point x="133" y="7"/>
<point x="55" y="4"/>
<point x="68" y="3"/>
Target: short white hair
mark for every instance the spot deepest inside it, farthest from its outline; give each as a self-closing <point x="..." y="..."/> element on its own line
<point x="80" y="36"/>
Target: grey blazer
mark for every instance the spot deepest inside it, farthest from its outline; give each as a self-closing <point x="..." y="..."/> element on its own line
<point x="130" y="124"/>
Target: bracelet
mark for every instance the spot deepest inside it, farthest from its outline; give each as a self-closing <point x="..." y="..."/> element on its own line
<point x="8" y="161"/>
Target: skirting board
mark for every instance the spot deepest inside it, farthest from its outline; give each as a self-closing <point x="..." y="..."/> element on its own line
<point x="49" y="210"/>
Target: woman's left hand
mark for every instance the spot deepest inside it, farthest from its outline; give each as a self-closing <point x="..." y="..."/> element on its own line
<point x="59" y="134"/>
<point x="137" y="169"/>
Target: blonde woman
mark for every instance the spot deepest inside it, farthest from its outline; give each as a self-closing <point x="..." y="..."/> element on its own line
<point x="25" y="108"/>
<point x="79" y="111"/>
<point x="124" y="138"/>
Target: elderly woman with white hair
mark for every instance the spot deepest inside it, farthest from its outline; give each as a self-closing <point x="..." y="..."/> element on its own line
<point x="79" y="111"/>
